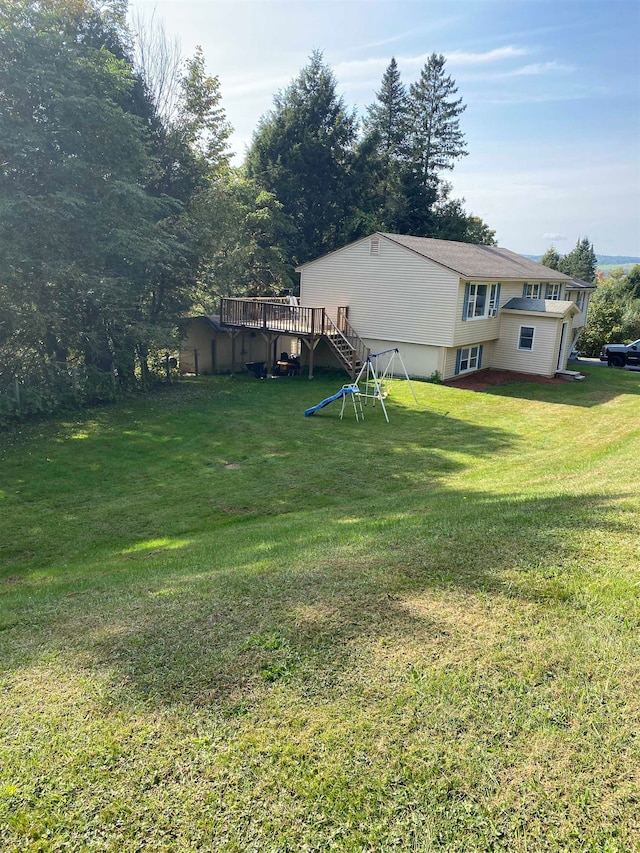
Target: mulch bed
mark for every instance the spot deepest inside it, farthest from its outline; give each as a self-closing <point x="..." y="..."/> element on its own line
<point x="484" y="379"/>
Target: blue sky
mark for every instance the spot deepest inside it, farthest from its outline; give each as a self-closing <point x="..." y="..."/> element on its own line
<point x="552" y="92"/>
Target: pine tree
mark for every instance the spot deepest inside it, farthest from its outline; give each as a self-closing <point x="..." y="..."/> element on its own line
<point x="302" y="152"/>
<point x="436" y="140"/>
<point x="386" y="128"/>
<point x="551" y="258"/>
<point x="581" y="262"/>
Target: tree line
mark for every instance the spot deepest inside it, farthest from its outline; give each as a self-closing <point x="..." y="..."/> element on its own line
<point x="614" y="309"/>
<point x="121" y="211"/>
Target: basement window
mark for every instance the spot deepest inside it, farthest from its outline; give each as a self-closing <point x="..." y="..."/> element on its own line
<point x="468" y="358"/>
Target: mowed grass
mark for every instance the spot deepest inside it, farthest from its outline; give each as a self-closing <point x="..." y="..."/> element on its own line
<point x="227" y="627"/>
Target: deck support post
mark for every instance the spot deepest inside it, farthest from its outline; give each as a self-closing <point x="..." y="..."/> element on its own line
<point x="271" y="341"/>
<point x="233" y="334"/>
<point x="311" y="344"/>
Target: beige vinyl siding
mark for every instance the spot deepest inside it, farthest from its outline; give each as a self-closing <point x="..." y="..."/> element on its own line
<point x="323" y="356"/>
<point x="580" y="319"/>
<point x="542" y="358"/>
<point x="449" y="369"/>
<point x="250" y="346"/>
<point x="420" y="360"/>
<point x="469" y="332"/>
<point x="198" y="337"/>
<point x="511" y="290"/>
<point x="395" y="295"/>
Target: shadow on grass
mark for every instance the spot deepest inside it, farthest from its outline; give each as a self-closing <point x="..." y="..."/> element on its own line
<point x="205" y="545"/>
<point x="244" y="610"/>
<point x="600" y="386"/>
<point x="210" y="456"/>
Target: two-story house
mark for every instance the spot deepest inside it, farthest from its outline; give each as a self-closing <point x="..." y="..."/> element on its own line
<point x="451" y="308"/>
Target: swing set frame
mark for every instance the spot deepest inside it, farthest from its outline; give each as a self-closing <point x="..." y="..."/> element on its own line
<point x="376" y="377"/>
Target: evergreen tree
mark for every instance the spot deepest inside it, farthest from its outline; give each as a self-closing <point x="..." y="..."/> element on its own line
<point x="436" y="140"/>
<point x="551" y="258"/>
<point x="386" y="129"/>
<point x="581" y="262"/>
<point x="302" y="152"/>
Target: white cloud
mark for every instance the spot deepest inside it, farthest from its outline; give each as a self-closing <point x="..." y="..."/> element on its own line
<point x="542" y="68"/>
<point x="459" y="57"/>
<point x="556" y="237"/>
<point x="440" y="24"/>
<point x="252" y="84"/>
<point x="358" y="67"/>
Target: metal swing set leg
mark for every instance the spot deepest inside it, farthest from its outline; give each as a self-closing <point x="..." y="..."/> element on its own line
<point x="380" y="381"/>
<point x="354" y="393"/>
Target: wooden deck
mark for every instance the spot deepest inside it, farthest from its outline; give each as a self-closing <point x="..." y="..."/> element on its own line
<point x="274" y="317"/>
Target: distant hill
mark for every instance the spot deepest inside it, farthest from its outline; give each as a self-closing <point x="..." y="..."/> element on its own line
<point x="603" y="260"/>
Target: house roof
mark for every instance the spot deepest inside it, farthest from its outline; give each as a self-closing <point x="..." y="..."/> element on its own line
<point x="473" y="261"/>
<point x="470" y="260"/>
<point x="212" y="320"/>
<point x="555" y="307"/>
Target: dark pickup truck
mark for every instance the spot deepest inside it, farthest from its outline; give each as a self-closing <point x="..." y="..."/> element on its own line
<point x="618" y="355"/>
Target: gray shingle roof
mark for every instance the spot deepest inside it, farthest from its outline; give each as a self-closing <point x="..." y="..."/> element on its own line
<point x="472" y="261"/>
<point x="544" y="306"/>
<point x="212" y="320"/>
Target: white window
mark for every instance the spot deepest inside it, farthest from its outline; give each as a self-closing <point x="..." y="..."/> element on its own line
<point x="477" y="301"/>
<point x="532" y="290"/>
<point x="469" y="359"/>
<point x="525" y="339"/>
<point x="553" y="291"/>
<point x="482" y="301"/>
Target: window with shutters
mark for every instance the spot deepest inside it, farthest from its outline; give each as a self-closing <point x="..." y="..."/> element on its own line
<point x="468" y="358"/>
<point x="481" y="301"/>
<point x="553" y="291"/>
<point x="532" y="290"/>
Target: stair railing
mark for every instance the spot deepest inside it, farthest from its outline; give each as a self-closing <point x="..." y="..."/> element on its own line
<point x="357" y="351"/>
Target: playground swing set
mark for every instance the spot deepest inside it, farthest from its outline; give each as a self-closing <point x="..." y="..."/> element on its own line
<point x="373" y="382"/>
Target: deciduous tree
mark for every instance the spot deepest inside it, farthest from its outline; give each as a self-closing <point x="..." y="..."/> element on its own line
<point x="78" y="228"/>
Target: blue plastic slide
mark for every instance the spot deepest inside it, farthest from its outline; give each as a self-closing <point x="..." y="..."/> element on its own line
<point x="348" y="389"/>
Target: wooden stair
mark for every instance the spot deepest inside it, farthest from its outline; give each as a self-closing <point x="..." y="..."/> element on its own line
<point x="349" y="348"/>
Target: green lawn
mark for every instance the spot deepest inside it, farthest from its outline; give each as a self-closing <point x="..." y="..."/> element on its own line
<point x="227" y="627"/>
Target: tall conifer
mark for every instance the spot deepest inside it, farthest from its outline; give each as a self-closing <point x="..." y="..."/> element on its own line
<point x="436" y="140"/>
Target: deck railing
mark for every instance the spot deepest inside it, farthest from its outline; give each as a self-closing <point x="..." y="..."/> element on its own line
<point x="272" y="315"/>
<point x="276" y="315"/>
